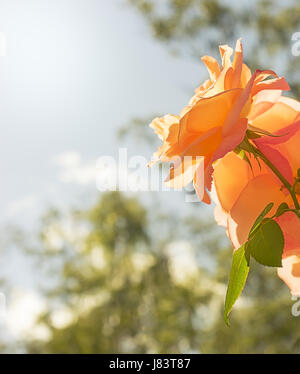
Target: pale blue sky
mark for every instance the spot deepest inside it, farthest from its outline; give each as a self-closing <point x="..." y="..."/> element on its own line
<point x="75" y="71"/>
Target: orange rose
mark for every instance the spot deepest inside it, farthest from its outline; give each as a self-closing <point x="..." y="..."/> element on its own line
<point x="241" y="195"/>
<point x="214" y="122"/>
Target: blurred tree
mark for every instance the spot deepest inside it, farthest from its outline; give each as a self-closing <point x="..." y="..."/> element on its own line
<point x="130" y="281"/>
<point x="116" y="288"/>
<point x="11" y="240"/>
<point x="197" y="27"/>
<point x="127" y="279"/>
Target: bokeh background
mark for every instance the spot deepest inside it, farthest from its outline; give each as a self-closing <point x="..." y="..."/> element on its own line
<point x="131" y="272"/>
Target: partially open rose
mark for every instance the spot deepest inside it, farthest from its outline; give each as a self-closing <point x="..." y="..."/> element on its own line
<point x="214" y="122"/>
<point x="241" y="193"/>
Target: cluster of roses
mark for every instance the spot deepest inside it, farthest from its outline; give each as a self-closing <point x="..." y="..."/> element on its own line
<point x="232" y="110"/>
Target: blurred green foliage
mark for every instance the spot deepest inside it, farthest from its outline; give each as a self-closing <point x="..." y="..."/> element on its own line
<point x="119" y="287"/>
<point x="197" y="27"/>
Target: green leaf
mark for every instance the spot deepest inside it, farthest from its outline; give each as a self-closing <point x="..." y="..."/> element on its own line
<point x="237" y="279"/>
<point x="260" y="218"/>
<point x="283" y="207"/>
<point x="298" y="173"/>
<point x="247" y="252"/>
<point x="266" y="243"/>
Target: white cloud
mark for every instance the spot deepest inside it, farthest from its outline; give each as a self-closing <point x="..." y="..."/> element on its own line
<point x="68" y="159"/>
<point x="106" y="172"/>
<point x="20" y="205"/>
<point x="74" y="170"/>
